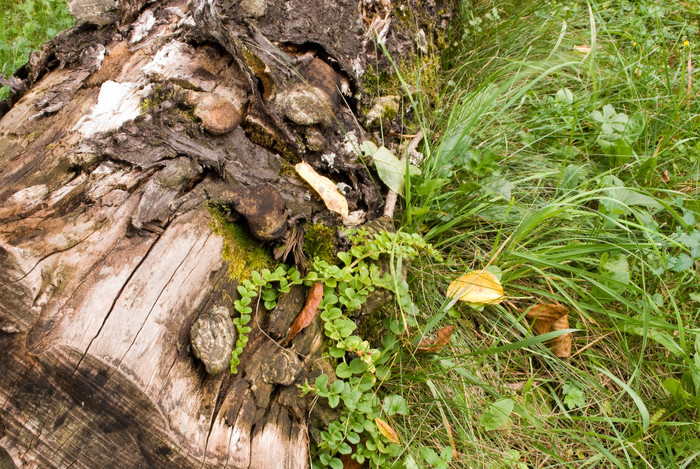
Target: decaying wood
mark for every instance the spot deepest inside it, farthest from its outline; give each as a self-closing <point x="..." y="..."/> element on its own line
<point x="112" y="146"/>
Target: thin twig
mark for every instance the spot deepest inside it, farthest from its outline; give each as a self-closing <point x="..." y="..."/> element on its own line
<point x="590" y="344"/>
<point x="391" y="197"/>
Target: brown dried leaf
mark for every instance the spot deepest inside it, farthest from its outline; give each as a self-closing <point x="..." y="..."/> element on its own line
<point x="434" y="345"/>
<point x="349" y="463"/>
<point x="548" y="317"/>
<point x="561" y="346"/>
<point x="386" y="430"/>
<point x="313" y="300"/>
<point x="330" y="194"/>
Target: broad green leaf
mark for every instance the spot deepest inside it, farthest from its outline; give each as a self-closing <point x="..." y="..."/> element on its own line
<point x="635" y="128"/>
<point x="431" y="186"/>
<point x="615" y="277"/>
<point x="564" y="96"/>
<point x="430" y="456"/>
<point x="692" y="242"/>
<point x="337" y="386"/>
<point x="391" y="170"/>
<point x="410" y="463"/>
<point x="682" y="397"/>
<point x="609" y="120"/>
<point x="623" y="198"/>
<point x="496" y="416"/>
<point x="321" y="383"/>
<point x="570" y="177"/>
<point x="617" y="263"/>
<point x="679" y="264"/>
<point x="574" y="397"/>
<point x="343" y="370"/>
<point x="351" y="398"/>
<point x="333" y="400"/>
<point x="499" y="186"/>
<point x="395" y="404"/>
<point x="674" y="388"/>
<point x="357" y="366"/>
<point x="623" y="151"/>
<point x="368" y="148"/>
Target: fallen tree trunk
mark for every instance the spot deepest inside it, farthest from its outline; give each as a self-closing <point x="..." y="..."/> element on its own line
<point x="115" y="145"/>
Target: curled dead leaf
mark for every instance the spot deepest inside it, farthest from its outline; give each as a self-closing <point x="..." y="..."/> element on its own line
<point x="313" y="300"/>
<point x="386" y="430"/>
<point x="478" y="286"/>
<point x="434" y="345"/>
<point x="325" y="188"/>
<point x="548" y="317"/>
<point x="583" y="49"/>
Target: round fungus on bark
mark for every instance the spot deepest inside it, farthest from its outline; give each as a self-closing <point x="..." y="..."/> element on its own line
<point x="212" y="337"/>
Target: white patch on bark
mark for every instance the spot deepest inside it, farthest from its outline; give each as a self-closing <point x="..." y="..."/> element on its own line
<point x="30" y="197"/>
<point x="142" y="26"/>
<point x="117" y="104"/>
<point x="178" y="61"/>
<point x="63" y="191"/>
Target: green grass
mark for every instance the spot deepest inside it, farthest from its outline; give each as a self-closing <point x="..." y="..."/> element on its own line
<point x="24" y="26"/>
<point x="576" y="175"/>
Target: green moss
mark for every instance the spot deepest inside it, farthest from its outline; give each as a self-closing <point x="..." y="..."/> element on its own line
<point x="266" y="138"/>
<point x="56" y="277"/>
<point x="165" y="92"/>
<point x="157" y="97"/>
<point x="389" y="112"/>
<point x="33" y="136"/>
<point x="287" y="169"/>
<point x="260" y="70"/>
<point x="416" y="69"/>
<point x="380" y="82"/>
<point x="242" y="252"/>
<point x="57" y="175"/>
<point x="319" y="241"/>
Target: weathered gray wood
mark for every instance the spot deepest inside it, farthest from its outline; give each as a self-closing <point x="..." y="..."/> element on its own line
<point x="111" y="147"/>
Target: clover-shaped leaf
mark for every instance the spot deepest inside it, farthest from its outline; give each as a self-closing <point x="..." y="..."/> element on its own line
<point x="610" y="122"/>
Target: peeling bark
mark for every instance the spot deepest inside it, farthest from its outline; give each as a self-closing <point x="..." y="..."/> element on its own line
<point x="112" y="145"/>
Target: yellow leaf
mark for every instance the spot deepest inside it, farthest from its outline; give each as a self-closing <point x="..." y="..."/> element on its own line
<point x="386" y="430"/>
<point x="330" y="194"/>
<point x="480" y="287"/>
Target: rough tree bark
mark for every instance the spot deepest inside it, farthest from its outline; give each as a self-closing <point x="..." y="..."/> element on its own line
<point x="112" y="145"/>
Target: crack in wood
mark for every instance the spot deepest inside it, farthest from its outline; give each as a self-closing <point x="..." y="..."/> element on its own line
<point x="116" y="298"/>
<point x="58" y="450"/>
<point x="33" y="342"/>
<point x="155" y="301"/>
<point x="59" y="251"/>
